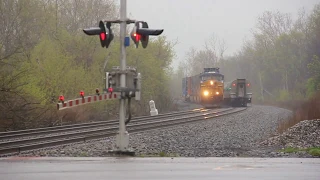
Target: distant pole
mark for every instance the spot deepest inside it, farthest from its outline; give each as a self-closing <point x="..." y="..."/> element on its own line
<point x="56" y="16"/>
<point x="261" y="86"/>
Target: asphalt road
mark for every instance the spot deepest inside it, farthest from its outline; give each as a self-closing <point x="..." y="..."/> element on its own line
<point x="31" y="168"/>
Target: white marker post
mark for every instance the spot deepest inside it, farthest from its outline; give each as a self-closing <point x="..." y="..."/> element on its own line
<point x="153" y="110"/>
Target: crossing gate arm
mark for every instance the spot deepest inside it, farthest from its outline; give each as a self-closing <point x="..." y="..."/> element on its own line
<point x="87" y="99"/>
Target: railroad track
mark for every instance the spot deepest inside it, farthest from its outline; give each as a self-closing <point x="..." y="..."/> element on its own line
<point x="89" y="131"/>
<point x="26" y="134"/>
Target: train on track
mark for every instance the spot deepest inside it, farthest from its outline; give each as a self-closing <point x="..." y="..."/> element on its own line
<point x="237" y="92"/>
<point x="209" y="89"/>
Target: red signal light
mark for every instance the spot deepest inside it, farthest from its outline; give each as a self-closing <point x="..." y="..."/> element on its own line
<point x="61" y="98"/>
<point x="81" y="93"/>
<point x="110" y="89"/>
<point x="103" y="36"/>
<point x="233" y="84"/>
<point x="137" y="36"/>
<point x="248" y="84"/>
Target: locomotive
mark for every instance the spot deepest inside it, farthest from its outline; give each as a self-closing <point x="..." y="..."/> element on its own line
<point x="237" y="92"/>
<point x="205" y="88"/>
<point x="208" y="88"/>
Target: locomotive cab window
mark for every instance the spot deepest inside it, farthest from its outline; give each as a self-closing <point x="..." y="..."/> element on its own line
<point x="216" y="77"/>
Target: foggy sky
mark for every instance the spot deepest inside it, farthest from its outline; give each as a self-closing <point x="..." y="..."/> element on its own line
<point x="192" y="22"/>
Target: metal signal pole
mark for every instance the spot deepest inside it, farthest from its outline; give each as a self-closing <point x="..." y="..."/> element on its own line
<point x="132" y="89"/>
<point x="122" y="139"/>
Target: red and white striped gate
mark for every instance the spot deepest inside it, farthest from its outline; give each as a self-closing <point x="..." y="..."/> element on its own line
<point x="87" y="100"/>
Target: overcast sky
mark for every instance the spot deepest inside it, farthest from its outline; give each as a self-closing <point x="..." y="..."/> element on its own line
<point x="192" y="22"/>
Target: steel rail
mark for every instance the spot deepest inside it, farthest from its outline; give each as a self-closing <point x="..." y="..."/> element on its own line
<point x="61" y="129"/>
<point x="107" y="132"/>
<point x="77" y="133"/>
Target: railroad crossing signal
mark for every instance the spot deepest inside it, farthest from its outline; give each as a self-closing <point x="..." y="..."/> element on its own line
<point x="127" y="82"/>
<point x="104" y="31"/>
<point x="134" y="35"/>
<point x="137" y="34"/>
<point x="110" y="82"/>
<point x="142" y="33"/>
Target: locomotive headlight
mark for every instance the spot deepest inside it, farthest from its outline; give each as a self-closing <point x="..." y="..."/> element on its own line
<point x="211" y="82"/>
<point x="205" y="93"/>
<point x="217" y="93"/>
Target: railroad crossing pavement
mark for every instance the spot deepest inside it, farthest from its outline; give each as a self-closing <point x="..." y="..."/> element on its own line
<point x="37" y="168"/>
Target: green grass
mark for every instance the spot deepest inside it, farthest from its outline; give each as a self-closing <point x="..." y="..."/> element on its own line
<point x="314" y="151"/>
<point x="83" y="154"/>
<point x="290" y="150"/>
<point x="163" y="154"/>
<point x="160" y="154"/>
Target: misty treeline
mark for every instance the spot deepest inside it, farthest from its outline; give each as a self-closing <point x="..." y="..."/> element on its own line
<point x="282" y="59"/>
<point x="44" y="53"/>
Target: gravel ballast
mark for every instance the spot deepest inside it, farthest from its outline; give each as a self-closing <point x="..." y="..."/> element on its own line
<point x="305" y="134"/>
<point x="300" y="137"/>
<point x="234" y="135"/>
